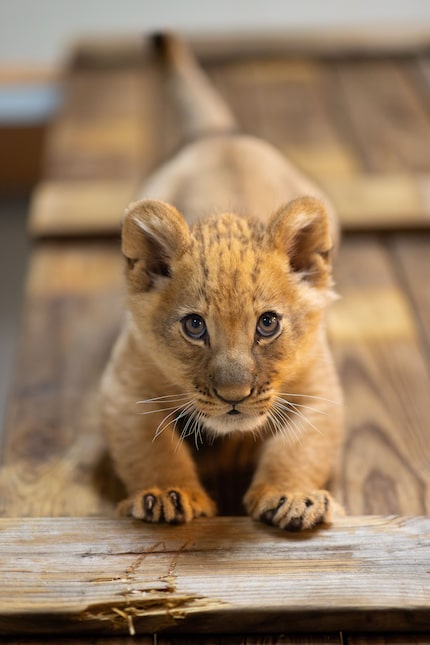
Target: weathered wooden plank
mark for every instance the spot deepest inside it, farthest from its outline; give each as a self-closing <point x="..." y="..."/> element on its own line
<point x="52" y="452"/>
<point x="386" y="462"/>
<point x="390" y="639"/>
<point x="325" y="43"/>
<point x="413" y="254"/>
<point x="387" y="118"/>
<point x="283" y="101"/>
<point x="293" y="103"/>
<point x="76" y="208"/>
<point x="385" y="202"/>
<point x="107" y="126"/>
<point x="380" y="201"/>
<point x="200" y="639"/>
<point x="281" y="639"/>
<point x="120" y="51"/>
<point x="222" y="575"/>
<point x="419" y="70"/>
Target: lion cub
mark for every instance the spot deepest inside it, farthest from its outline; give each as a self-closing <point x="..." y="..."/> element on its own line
<point x="229" y="278"/>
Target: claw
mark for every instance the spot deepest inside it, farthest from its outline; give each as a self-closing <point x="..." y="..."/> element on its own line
<point x="149" y="502"/>
<point x="295" y="524"/>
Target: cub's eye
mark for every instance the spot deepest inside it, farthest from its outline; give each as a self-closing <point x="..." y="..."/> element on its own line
<point x="268" y="324"/>
<point x="194" y="326"/>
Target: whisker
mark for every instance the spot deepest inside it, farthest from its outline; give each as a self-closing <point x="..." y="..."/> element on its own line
<point x="272" y="423"/>
<point x="183" y="410"/>
<point x="191" y="427"/>
<point x="301" y="405"/>
<point x="309" y="396"/>
<point x="168" y="398"/>
<point x="279" y="417"/>
<point x="163" y="425"/>
<point x="283" y="427"/>
<point x="283" y="414"/>
<point x="173" y="407"/>
<point x="308" y="421"/>
<point x="198" y="430"/>
<point x="290" y="407"/>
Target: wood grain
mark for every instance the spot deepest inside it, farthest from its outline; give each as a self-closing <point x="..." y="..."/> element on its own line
<point x="386" y="382"/>
<point x="413" y="255"/>
<point x="369" y="152"/>
<point x="81" y="208"/>
<point x="389" y="122"/>
<point x="364" y="202"/>
<point x="52" y="453"/>
<point x="120" y="576"/>
<point x="403" y="639"/>
<point x="380" y="201"/>
<point x="201" y="639"/>
<point x="107" y="127"/>
<point x="283" y="101"/>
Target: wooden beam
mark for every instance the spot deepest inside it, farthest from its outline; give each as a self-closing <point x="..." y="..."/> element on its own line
<point x="121" y="51"/>
<point x="386" y="202"/>
<point x="72" y="575"/>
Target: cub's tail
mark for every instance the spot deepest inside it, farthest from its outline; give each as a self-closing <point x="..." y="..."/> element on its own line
<point x="202" y="111"/>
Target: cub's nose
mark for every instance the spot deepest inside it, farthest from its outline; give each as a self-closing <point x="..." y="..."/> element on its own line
<point x="233" y="394"/>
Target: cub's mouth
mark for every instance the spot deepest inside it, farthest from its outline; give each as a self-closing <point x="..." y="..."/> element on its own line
<point x="232" y="420"/>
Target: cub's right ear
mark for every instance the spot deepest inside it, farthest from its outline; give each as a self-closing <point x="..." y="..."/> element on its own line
<point x="153" y="235"/>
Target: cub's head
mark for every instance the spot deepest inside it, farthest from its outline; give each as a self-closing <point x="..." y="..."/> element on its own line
<point x="231" y="310"/>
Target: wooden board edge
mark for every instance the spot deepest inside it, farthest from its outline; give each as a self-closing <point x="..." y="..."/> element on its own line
<point x="166" y="607"/>
<point x="213" y="46"/>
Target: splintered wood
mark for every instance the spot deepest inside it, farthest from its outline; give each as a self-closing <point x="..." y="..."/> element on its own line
<point x="224" y="575"/>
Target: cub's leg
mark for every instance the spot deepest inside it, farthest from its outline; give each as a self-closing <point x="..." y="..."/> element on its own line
<point x="159" y="473"/>
<point x="287" y="488"/>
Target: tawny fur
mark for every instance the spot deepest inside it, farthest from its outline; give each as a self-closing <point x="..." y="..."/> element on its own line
<point x="229" y="279"/>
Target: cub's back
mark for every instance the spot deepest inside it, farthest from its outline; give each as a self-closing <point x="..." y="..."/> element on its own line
<point x="229" y="173"/>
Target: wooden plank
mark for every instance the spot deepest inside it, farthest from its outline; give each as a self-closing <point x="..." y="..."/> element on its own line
<point x="388" y="120"/>
<point x="52" y="455"/>
<point x="380" y="201"/>
<point x="325" y="43"/>
<point x="110" y="129"/>
<point x="283" y="101"/>
<point x="224" y="575"/>
<point x="107" y="126"/>
<point x="364" y="202"/>
<point x="75" y="208"/>
<point x="253" y="639"/>
<point x="386" y="383"/>
<point x="120" y="51"/>
<point x="390" y="639"/>
<point x="413" y="255"/>
<point x="419" y="70"/>
<point x="201" y="639"/>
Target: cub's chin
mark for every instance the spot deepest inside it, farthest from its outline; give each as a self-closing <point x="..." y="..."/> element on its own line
<point x="238" y="422"/>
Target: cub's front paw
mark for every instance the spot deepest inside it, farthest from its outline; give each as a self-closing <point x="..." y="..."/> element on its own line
<point x="171" y="505"/>
<point x="290" y="510"/>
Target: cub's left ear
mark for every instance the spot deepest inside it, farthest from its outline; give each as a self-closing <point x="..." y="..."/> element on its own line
<point x="302" y="230"/>
<point x="154" y="234"/>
